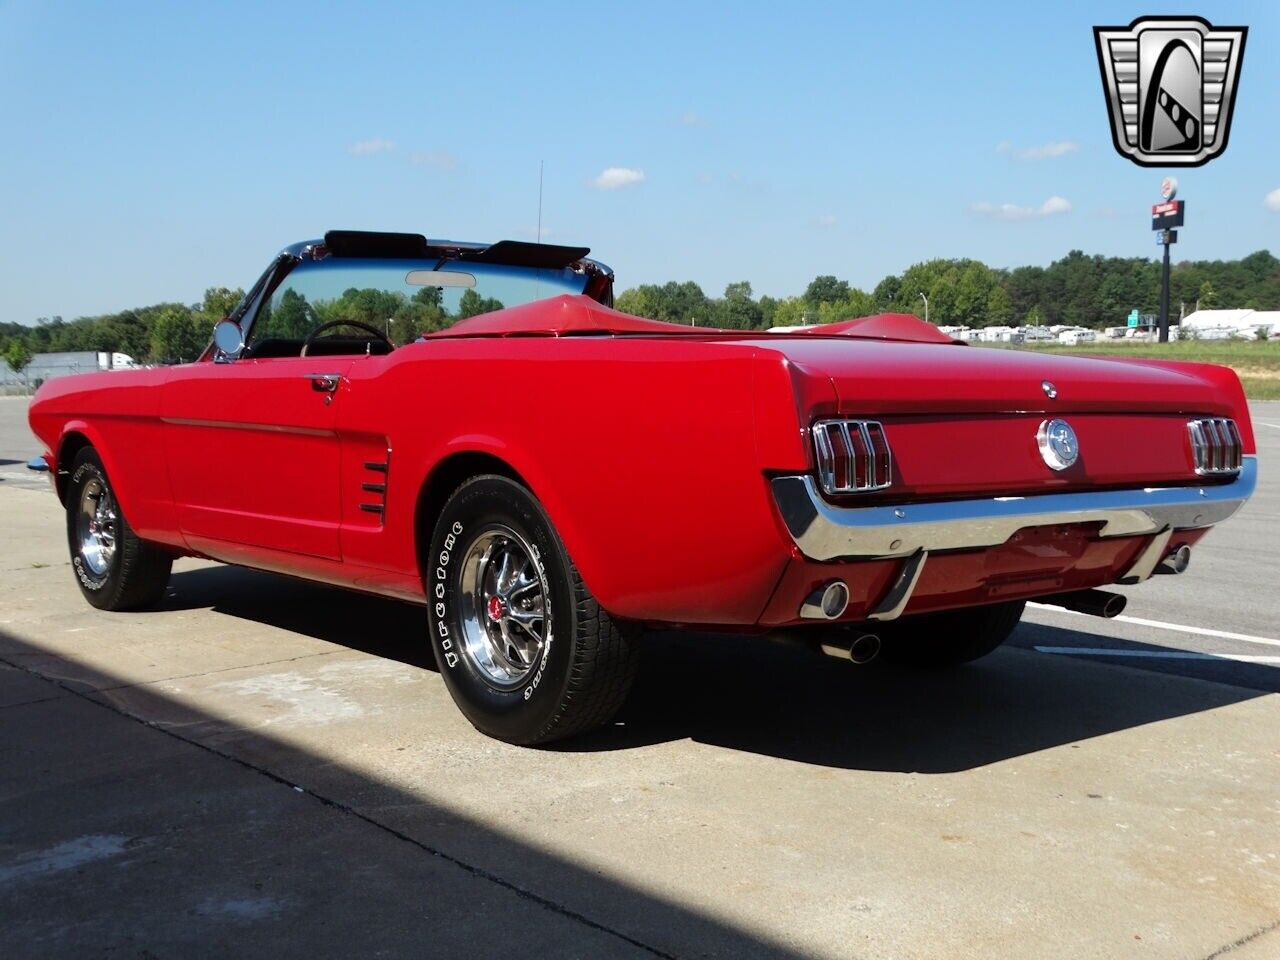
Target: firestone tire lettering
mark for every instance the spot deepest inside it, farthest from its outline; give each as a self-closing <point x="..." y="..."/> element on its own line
<point x="441" y="591"/>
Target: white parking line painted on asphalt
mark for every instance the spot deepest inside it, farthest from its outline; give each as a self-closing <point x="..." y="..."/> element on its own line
<point x="1161" y="625"/>
<point x="1155" y="654"/>
<point x="1273" y="426"/>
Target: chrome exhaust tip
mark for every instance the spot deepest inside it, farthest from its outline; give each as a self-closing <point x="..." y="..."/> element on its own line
<point x="856" y="647"/>
<point x="1097" y="603"/>
<point x="864" y="649"/>
<point x="1176" y="562"/>
<point x="828" y="602"/>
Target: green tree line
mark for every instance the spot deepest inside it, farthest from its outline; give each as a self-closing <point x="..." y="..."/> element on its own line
<point x="400" y="316"/>
<point x="161" y="333"/>
<point x="1078" y="289"/>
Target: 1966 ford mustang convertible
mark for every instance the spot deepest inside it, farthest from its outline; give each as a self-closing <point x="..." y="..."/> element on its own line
<point x="548" y="476"/>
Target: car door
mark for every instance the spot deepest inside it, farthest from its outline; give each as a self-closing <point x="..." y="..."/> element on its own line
<point x="253" y="453"/>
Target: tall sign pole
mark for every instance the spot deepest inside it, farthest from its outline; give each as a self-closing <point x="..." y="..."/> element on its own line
<point x="1164" y="293"/>
<point x="1165" y="217"/>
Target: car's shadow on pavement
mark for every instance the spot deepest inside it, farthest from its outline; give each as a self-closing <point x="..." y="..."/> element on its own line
<point x="374" y="625"/>
<point x="745" y="693"/>
<point x="748" y="694"/>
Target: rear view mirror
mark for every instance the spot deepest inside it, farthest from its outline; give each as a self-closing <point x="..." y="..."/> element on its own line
<point x="439" y="278"/>
<point x="227" y="338"/>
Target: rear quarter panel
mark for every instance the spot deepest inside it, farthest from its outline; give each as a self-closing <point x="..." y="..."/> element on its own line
<point x="643" y="452"/>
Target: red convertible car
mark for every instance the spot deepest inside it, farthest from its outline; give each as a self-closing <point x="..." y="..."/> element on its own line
<point x="548" y="476"/>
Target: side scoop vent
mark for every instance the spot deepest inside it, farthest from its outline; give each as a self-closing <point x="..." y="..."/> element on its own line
<point x="377" y="503"/>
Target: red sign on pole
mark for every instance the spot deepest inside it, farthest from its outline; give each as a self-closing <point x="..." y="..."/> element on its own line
<point x="1166" y="216"/>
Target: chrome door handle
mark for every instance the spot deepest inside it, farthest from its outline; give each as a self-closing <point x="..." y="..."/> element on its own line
<point x="324" y="382"/>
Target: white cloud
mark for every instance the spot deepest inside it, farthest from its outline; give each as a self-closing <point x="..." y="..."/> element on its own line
<point x="705" y="179"/>
<point x="615" y="178"/>
<point x="826" y="220"/>
<point x="692" y="119"/>
<point x="1058" y="148"/>
<point x="1273" y="200"/>
<point x="367" y="148"/>
<point x="440" y="159"/>
<point x="1012" y="211"/>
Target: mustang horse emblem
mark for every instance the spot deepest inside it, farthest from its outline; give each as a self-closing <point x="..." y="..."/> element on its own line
<point x="1058" y="444"/>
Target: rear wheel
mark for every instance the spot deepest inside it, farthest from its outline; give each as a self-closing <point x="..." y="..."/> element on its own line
<point x="115" y="570"/>
<point x="951" y="638"/>
<point x="524" y="649"/>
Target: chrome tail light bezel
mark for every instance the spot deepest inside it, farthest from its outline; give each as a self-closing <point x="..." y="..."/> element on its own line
<point x="852" y="456"/>
<point x="1216" y="447"/>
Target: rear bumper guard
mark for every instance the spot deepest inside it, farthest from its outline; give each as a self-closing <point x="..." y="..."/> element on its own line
<point x="826" y="532"/>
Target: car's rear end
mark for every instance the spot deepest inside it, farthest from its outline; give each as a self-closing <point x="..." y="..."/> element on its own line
<point x="940" y="476"/>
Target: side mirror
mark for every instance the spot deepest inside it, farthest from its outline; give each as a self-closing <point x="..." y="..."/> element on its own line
<point x="228" y="339"/>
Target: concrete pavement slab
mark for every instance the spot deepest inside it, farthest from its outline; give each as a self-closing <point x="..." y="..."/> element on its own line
<point x="119" y="840"/>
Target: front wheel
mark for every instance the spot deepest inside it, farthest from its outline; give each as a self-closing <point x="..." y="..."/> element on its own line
<point x="525" y="651"/>
<point x="115" y="570"/>
<point x="951" y="638"/>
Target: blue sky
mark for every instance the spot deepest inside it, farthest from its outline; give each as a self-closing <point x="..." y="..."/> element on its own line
<point x="152" y="150"/>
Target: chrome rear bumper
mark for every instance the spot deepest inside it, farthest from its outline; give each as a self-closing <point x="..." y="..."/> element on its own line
<point x="826" y="532"/>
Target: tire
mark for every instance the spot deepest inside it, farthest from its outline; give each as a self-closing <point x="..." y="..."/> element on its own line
<point x="114" y="569"/>
<point x="940" y="640"/>
<point x="494" y="565"/>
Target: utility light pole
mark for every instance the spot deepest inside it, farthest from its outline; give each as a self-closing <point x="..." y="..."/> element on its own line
<point x="926" y="307"/>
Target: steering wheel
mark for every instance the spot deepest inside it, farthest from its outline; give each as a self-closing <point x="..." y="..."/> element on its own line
<point x="314" y="334"/>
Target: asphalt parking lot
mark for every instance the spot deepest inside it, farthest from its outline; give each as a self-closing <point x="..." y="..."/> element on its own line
<point x="264" y="767"/>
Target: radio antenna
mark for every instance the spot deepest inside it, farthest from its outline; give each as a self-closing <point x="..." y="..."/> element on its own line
<point x="540" y="165"/>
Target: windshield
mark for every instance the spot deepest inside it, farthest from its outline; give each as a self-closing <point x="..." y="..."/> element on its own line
<point x="402" y="298"/>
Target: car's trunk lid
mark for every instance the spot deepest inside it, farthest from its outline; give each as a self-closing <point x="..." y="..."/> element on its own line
<point x="882" y="378"/>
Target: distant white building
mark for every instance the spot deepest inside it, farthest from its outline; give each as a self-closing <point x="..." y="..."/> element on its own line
<point x="1230" y="324"/>
<point x="1077" y="335"/>
<point x="1001" y="335"/>
<point x="46" y="366"/>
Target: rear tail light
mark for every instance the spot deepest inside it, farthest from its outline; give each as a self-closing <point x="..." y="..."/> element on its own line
<point x="1215" y="446"/>
<point x="853" y="456"/>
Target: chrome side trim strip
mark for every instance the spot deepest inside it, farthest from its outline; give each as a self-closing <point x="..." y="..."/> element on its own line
<point x="899" y="595"/>
<point x="232" y="425"/>
<point x="826" y="532"/>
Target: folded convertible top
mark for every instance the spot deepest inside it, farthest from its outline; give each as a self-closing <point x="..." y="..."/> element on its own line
<point x="575" y="315"/>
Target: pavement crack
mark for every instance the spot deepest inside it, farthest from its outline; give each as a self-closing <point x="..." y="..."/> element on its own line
<point x="30" y="703"/>
<point x="478" y="872"/>
<point x="1246" y="939"/>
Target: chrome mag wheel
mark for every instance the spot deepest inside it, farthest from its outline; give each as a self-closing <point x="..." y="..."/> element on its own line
<point x="506" y="618"/>
<point x="96" y="526"/>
